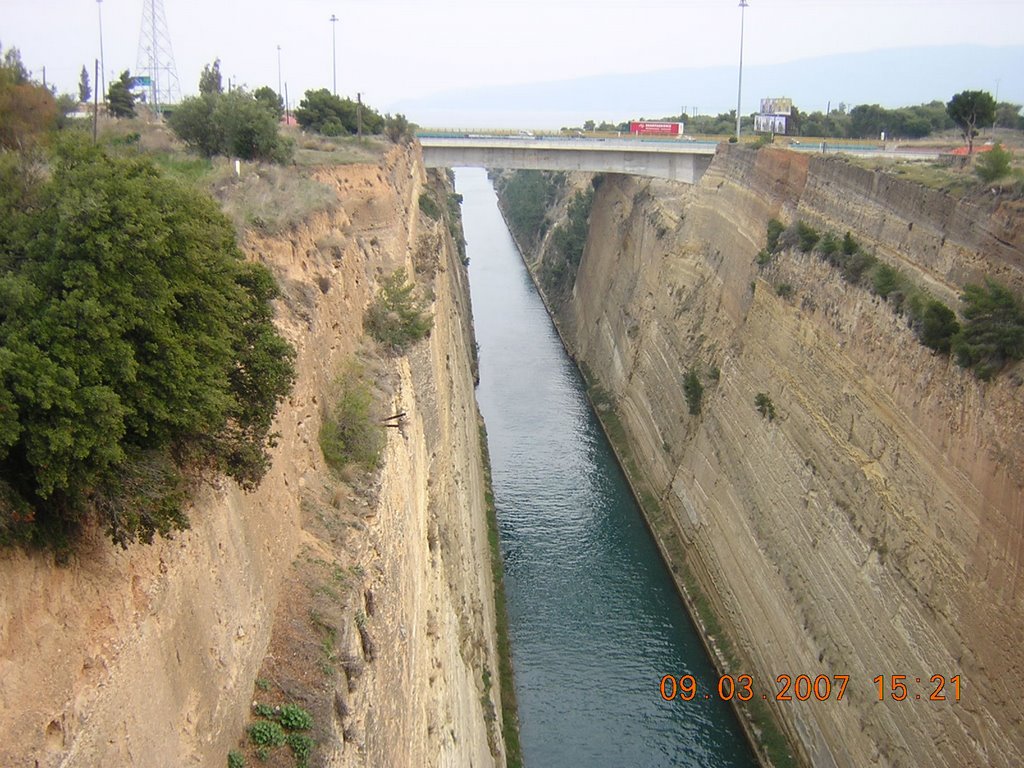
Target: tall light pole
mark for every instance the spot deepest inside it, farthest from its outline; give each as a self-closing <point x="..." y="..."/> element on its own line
<point x="279" y="70"/>
<point x="739" y="88"/>
<point x="103" y="65"/>
<point x="334" y="48"/>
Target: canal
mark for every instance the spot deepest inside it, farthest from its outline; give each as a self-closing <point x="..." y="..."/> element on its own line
<point x="595" y="621"/>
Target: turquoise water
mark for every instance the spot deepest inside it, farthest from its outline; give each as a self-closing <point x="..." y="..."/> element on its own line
<point x="595" y="621"/>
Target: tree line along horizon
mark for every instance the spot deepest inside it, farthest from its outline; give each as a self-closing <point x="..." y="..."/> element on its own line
<point x="864" y="121"/>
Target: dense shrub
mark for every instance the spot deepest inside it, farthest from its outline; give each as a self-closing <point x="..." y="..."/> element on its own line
<point x="938" y="326"/>
<point x="775" y="229"/>
<point x="429" y="206"/>
<point x="233" y="124"/>
<point x="993" y="164"/>
<point x="694" y="392"/>
<point x="295" y="718"/>
<point x="808" y="236"/>
<point x="350" y="432"/>
<point x="133" y="338"/>
<point x="570" y="238"/>
<point x="324" y="112"/>
<point x="397" y="318"/>
<point x="992" y="334"/>
<point x="526" y="197"/>
<point x="266" y="733"/>
<point x="765" y="406"/>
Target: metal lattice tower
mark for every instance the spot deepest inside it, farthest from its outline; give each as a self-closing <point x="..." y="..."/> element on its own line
<point x="156" y="59"/>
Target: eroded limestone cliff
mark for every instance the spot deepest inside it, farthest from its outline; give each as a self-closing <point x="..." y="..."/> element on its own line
<point x="148" y="656"/>
<point x="876" y="525"/>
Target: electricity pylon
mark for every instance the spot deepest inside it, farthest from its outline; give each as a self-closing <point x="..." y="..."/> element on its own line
<point x="155" y="70"/>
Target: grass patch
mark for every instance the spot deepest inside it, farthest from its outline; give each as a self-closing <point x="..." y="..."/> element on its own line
<point x="317" y="151"/>
<point x="269" y="198"/>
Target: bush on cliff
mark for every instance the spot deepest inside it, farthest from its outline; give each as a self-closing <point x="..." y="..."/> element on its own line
<point x="397" y="319"/>
<point x="694" y="392"/>
<point x="992" y="334"/>
<point x="350" y="432"/>
<point x="134" y="341"/>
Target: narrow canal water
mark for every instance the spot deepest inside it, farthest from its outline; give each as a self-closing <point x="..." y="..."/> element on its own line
<point x="595" y="621"/>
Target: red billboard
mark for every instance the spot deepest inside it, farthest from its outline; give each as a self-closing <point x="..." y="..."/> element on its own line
<point x="656" y="128"/>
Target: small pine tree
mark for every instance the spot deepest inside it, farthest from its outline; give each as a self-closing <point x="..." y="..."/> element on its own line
<point x="120" y="99"/>
<point x="84" y="89"/>
<point x="765" y="406"/>
<point x="210" y="80"/>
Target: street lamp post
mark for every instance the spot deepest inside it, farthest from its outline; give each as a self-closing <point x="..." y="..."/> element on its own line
<point x="103" y="64"/>
<point x="279" y="70"/>
<point x="739" y="88"/>
<point x="334" y="49"/>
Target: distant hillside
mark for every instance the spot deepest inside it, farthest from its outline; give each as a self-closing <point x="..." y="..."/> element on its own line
<point x="892" y="78"/>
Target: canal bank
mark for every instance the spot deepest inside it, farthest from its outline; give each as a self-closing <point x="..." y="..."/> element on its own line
<point x="595" y="617"/>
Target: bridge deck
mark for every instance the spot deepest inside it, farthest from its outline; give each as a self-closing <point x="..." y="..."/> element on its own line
<point x="679" y="160"/>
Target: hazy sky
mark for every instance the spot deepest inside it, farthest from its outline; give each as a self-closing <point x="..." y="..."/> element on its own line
<point x="400" y="49"/>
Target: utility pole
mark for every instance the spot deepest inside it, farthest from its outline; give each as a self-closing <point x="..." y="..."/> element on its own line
<point x="103" y="64"/>
<point x="279" y="70"/>
<point x="95" y="104"/>
<point x="334" y="49"/>
<point x="739" y="88"/>
<point x="359" y="115"/>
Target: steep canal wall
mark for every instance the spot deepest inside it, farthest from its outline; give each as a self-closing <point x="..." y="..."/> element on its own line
<point x="875" y="524"/>
<point x="368" y="600"/>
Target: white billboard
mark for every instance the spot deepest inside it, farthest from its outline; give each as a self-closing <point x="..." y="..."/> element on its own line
<point x="770" y="124"/>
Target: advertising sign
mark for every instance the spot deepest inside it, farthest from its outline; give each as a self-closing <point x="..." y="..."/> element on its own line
<point x="780" y="106"/>
<point x="656" y="128"/>
<point x="770" y="124"/>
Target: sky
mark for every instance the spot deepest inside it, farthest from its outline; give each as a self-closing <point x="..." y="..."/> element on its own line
<point x="395" y="51"/>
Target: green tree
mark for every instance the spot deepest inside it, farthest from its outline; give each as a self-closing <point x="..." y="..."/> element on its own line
<point x="969" y="109"/>
<point x="210" y="81"/>
<point x="992" y="333"/>
<point x="133" y="337"/>
<point x="325" y="113"/>
<point x="271" y="99"/>
<point x="84" y="89"/>
<point x="192" y="120"/>
<point x="120" y="99"/>
<point x="234" y="124"/>
<point x="397" y="128"/>
<point x="248" y="128"/>
<point x="1008" y="116"/>
<point x="993" y="164"/>
<point x="28" y="111"/>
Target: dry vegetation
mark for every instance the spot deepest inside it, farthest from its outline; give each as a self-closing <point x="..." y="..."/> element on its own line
<point x="268" y="197"/>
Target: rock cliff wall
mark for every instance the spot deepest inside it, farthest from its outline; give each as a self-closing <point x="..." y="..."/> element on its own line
<point x="147" y="657"/>
<point x="876" y="525"/>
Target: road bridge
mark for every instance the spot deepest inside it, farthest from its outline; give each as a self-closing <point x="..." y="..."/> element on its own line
<point x="676" y="159"/>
